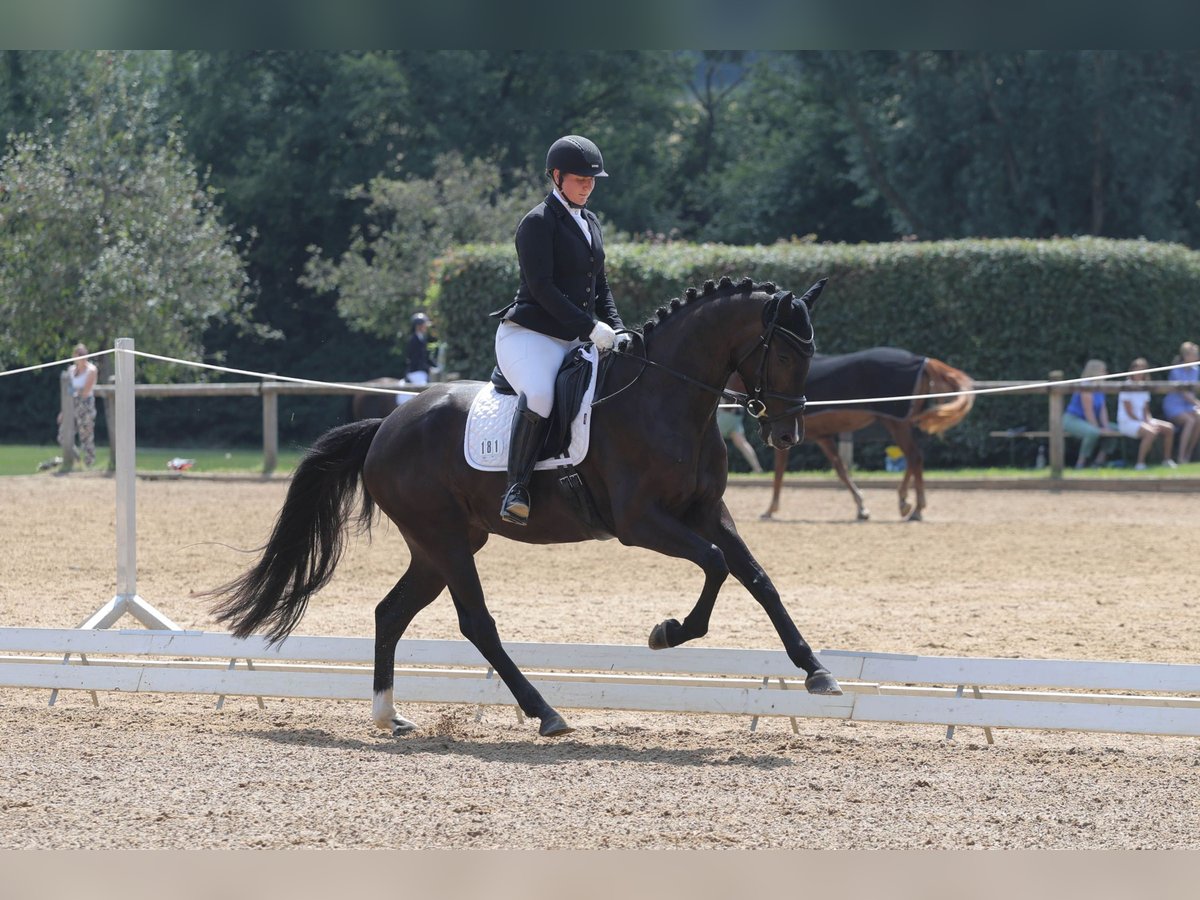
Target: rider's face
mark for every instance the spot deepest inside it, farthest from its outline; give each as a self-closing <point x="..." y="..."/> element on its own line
<point x="577" y="188"/>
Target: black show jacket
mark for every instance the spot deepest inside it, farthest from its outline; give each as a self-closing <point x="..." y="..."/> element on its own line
<point x="563" y="286"/>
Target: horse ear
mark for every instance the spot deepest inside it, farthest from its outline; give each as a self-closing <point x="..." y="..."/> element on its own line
<point x="810" y="296"/>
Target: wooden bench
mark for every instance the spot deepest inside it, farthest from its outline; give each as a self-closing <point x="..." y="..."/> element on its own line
<point x="1124" y="697"/>
<point x="1014" y="434"/>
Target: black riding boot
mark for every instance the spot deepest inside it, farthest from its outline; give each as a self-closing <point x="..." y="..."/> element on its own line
<point x="528" y="433"/>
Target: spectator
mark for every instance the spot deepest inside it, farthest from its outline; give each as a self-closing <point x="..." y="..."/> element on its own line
<point x="1182" y="407"/>
<point x="1134" y="419"/>
<point x="417" y="351"/>
<point x="729" y="421"/>
<point x="1086" y="417"/>
<point x="83" y="374"/>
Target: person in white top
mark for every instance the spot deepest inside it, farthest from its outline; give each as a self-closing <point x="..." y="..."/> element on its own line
<point x="1134" y="419"/>
<point x="83" y="382"/>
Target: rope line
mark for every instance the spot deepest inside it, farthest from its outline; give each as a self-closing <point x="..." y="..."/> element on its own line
<point x="57" y="362"/>
<point x="266" y="376"/>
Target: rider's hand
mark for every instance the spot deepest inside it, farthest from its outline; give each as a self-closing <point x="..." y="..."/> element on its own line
<point x="624" y="339"/>
<point x="603" y="336"/>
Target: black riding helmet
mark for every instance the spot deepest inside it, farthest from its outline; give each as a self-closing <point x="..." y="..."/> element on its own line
<point x="575" y="155"/>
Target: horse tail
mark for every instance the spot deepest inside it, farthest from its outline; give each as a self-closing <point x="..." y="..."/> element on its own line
<point x="307" y="541"/>
<point x="942" y="378"/>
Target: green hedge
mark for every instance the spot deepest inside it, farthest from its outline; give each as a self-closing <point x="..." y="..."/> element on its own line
<point x="998" y="309"/>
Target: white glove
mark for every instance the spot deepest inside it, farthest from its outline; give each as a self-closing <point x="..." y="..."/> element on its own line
<point x="624" y="339"/>
<point x="603" y="336"/>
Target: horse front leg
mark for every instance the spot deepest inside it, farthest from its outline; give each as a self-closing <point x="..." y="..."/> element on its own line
<point x="661" y="532"/>
<point x="745" y="568"/>
<point x="835" y="460"/>
<point x="781" y="461"/>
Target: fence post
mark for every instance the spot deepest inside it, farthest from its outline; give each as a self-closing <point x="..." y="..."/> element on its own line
<point x="66" y="428"/>
<point x="270" y="422"/>
<point x="1056" y="427"/>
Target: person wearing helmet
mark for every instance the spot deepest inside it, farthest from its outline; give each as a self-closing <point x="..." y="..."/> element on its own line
<point x="417" y="350"/>
<point x="563" y="301"/>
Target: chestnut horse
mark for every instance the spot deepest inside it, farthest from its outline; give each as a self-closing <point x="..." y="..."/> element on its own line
<point x="880" y="372"/>
<point x="656" y="473"/>
<point x="372" y="404"/>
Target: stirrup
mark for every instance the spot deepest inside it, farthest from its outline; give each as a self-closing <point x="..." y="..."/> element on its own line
<point x="515" y="508"/>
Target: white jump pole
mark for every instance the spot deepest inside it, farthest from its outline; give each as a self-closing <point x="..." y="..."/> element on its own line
<point x="126" y="599"/>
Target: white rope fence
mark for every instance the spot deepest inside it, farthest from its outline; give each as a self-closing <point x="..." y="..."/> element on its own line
<point x="1022" y="386"/>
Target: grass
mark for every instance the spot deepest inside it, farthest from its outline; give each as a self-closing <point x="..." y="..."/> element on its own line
<point x="24" y="459"/>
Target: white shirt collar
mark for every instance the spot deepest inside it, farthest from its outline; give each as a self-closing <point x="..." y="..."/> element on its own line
<point x="576" y="214"/>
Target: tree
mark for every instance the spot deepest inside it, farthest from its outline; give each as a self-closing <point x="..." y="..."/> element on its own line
<point x="107" y="230"/>
<point x="1021" y="143"/>
<point x="384" y="275"/>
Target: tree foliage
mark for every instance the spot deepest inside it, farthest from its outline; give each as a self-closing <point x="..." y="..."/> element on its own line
<point x="726" y="147"/>
<point x="107" y="230"/>
<point x="385" y="274"/>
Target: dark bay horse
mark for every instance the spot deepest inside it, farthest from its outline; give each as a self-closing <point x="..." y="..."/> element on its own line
<point x="656" y="471"/>
<point x="880" y="372"/>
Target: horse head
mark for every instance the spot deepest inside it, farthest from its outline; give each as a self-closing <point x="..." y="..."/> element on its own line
<point x="776" y="376"/>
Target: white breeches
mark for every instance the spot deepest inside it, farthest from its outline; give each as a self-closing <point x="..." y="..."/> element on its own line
<point x="417" y="378"/>
<point x="530" y="361"/>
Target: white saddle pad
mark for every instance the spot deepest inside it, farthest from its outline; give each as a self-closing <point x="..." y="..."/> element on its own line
<point x="489" y="426"/>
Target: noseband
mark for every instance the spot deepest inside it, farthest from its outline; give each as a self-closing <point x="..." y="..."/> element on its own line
<point x="755" y="401"/>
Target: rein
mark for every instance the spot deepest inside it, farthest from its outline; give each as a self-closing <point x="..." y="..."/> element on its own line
<point x="754" y="402"/>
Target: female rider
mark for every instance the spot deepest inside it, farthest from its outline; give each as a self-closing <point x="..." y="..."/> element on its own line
<point x="563" y="300"/>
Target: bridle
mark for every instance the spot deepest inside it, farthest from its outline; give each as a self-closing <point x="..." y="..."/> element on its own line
<point x="754" y="401"/>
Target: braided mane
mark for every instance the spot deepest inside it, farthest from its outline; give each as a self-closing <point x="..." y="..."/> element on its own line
<point x="709" y="291"/>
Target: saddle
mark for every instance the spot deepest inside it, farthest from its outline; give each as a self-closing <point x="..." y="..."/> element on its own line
<point x="570" y="385"/>
<point x="489" y="421"/>
<point x="568" y="433"/>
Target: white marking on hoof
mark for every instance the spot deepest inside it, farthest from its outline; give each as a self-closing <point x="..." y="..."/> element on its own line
<point x="383" y="710"/>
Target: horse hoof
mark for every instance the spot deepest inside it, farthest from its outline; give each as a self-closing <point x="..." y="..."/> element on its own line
<point x="864" y="515"/>
<point x="554" y="725"/>
<point x="401" y="726"/>
<point x="658" y="634"/>
<point x="822" y="682"/>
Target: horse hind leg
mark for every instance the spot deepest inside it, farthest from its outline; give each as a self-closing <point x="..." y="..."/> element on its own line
<point x="416" y="589"/>
<point x="457" y="566"/>
<point x="906" y="440"/>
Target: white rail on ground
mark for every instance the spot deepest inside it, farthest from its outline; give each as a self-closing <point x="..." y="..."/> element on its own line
<point x="1072" y="695"/>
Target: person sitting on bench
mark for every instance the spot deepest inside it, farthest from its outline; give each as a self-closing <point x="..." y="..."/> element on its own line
<point x="1086" y="417"/>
